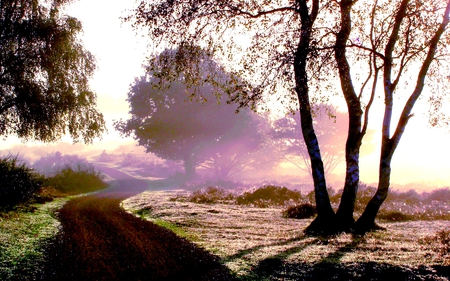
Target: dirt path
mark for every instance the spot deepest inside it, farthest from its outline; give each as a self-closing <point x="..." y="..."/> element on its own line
<point x="100" y="241"/>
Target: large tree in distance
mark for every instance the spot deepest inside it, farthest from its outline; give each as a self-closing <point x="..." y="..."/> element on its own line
<point x="167" y="123"/>
<point x="299" y="48"/>
<point x="44" y="72"/>
<point x="282" y="40"/>
<point x="245" y="154"/>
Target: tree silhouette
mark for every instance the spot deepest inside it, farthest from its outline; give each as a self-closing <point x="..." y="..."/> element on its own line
<point x="167" y="123"/>
<point x="411" y="43"/>
<point x="44" y="91"/>
<point x="299" y="49"/>
<point x="281" y="44"/>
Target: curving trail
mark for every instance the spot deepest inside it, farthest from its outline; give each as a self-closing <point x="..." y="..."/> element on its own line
<point x="100" y="241"/>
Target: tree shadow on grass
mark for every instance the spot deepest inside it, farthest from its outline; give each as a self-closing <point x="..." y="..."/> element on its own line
<point x="247" y="251"/>
<point x="277" y="267"/>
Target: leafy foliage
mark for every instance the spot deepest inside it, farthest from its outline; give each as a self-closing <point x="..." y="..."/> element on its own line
<point x="44" y="75"/>
<point x="169" y="121"/>
<point x="19" y="183"/>
<point x="79" y="180"/>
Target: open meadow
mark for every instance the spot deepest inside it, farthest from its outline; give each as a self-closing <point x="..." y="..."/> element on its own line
<point x="260" y="244"/>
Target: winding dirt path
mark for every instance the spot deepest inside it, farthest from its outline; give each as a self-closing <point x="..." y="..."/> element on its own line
<point x="100" y="241"/>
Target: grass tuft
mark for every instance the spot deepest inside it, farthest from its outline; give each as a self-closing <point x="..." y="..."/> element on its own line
<point x="302" y="211"/>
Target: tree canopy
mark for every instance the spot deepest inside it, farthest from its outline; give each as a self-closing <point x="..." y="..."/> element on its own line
<point x="167" y="123"/>
<point x="44" y="73"/>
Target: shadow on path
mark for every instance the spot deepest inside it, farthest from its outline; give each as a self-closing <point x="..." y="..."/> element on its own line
<point x="100" y="241"/>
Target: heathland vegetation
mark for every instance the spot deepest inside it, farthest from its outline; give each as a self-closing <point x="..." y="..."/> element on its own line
<point x="214" y="215"/>
<point x="29" y="201"/>
<point x="255" y="235"/>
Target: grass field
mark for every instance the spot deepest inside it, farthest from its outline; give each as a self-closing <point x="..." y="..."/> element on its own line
<point x="24" y="235"/>
<point x="253" y="243"/>
<point x="259" y="244"/>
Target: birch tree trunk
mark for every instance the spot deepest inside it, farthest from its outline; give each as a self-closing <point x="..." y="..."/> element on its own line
<point x="388" y="144"/>
<point x="346" y="208"/>
<point x="325" y="214"/>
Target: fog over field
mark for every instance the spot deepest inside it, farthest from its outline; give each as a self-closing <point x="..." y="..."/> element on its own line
<point x="420" y="162"/>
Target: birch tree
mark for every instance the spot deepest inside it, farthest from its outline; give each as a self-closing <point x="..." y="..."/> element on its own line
<point x="280" y="37"/>
<point x="408" y="45"/>
<point x="298" y="48"/>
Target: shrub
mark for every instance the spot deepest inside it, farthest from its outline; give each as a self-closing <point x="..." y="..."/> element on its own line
<point x="394" y="216"/>
<point x="410" y="197"/>
<point x="75" y="181"/>
<point x="439" y="195"/>
<point x="269" y="195"/>
<point x="130" y="160"/>
<point x="335" y="195"/>
<point x="18" y="182"/>
<point x="302" y="211"/>
<point x="210" y="195"/>
<point x="154" y="168"/>
<point x="365" y="193"/>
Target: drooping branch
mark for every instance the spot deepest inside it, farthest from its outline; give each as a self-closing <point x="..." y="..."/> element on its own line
<point x="259" y="14"/>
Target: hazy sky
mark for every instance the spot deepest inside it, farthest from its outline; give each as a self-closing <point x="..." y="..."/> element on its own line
<point x="422" y="156"/>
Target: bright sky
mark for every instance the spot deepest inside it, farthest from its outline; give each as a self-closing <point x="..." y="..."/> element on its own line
<point x="422" y="156"/>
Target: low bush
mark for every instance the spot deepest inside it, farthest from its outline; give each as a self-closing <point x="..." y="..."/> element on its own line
<point x="302" y="211"/>
<point x="438" y="195"/>
<point x="75" y="181"/>
<point x="410" y="197"/>
<point x="210" y="195"/>
<point x="269" y="195"/>
<point x="365" y="193"/>
<point x="18" y="182"/>
<point x="394" y="216"/>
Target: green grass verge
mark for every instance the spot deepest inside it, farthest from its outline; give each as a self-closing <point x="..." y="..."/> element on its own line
<point x="176" y="229"/>
<point x="23" y="237"/>
<point x="146" y="214"/>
